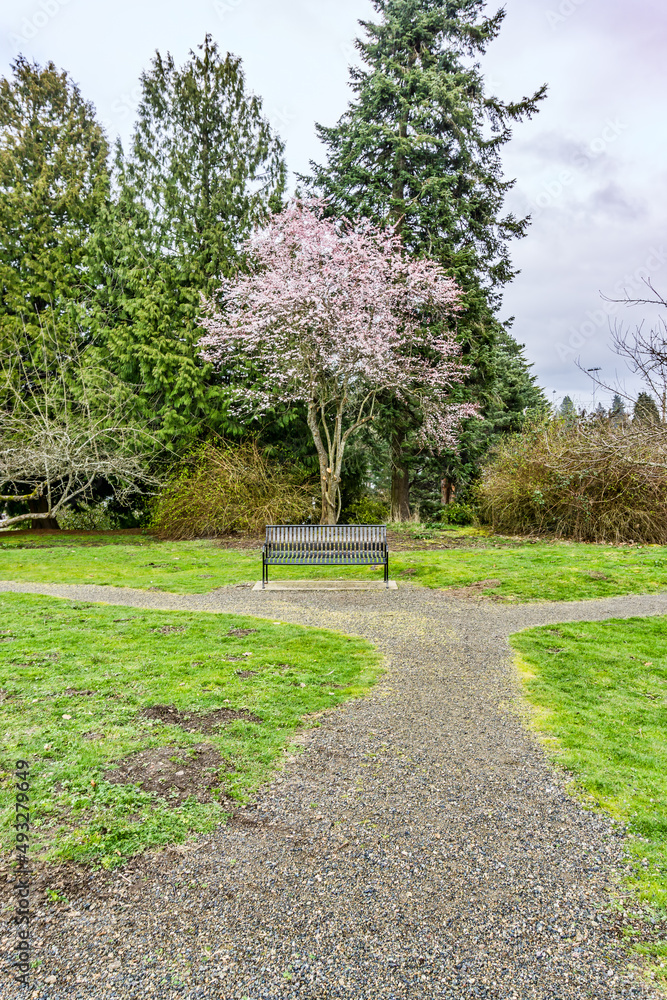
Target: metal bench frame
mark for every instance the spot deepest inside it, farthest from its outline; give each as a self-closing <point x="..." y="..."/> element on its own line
<point x="325" y="545"/>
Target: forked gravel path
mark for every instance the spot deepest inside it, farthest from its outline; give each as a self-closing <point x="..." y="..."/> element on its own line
<point x="420" y="846"/>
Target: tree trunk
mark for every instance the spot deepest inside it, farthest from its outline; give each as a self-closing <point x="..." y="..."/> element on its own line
<point x="40" y="506"/>
<point x="448" y="490"/>
<point x="400" y="480"/>
<point x="329" y="515"/>
<point x="327" y="474"/>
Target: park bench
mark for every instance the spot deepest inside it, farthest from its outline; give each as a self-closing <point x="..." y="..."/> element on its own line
<point x="325" y="545"/>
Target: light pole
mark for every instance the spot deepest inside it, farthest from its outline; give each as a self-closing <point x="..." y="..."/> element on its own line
<point x="595" y="383"/>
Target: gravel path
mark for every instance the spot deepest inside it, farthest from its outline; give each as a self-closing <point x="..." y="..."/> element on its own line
<point x="420" y="846"/>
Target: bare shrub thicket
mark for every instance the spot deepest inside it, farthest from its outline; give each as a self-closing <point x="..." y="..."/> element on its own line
<point x="587" y="479"/>
<point x="224" y="489"/>
<point x="67" y="424"/>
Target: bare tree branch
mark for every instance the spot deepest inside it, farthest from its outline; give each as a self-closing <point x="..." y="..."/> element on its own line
<point x="644" y="352"/>
<point x="65" y="424"/>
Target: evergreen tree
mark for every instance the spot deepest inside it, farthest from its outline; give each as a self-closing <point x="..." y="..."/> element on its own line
<point x="419" y="149"/>
<point x="567" y="407"/>
<point x="203" y="170"/>
<point x="617" y="411"/>
<point x="420" y="146"/>
<point x="645" y="410"/>
<point x="512" y="396"/>
<point x="53" y="184"/>
<point x="617" y="407"/>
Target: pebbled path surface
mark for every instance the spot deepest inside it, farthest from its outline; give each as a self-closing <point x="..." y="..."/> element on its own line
<point x="419" y="847"/>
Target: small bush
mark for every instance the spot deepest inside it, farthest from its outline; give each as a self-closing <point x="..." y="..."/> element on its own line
<point x="221" y="490"/>
<point x="461" y="514"/>
<point x="108" y="515"/>
<point x="588" y="479"/>
<point x="89" y="517"/>
<point x="367" y="510"/>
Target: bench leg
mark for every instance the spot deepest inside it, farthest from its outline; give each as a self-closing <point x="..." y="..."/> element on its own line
<point x="386" y="572"/>
<point x="265" y="574"/>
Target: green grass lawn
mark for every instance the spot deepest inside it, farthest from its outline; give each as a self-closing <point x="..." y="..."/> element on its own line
<point x="525" y="571"/>
<point x="600" y="696"/>
<point x="76" y="678"/>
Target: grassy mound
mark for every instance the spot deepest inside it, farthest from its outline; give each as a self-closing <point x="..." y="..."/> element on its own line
<point x="600" y="694"/>
<point x="142" y="727"/>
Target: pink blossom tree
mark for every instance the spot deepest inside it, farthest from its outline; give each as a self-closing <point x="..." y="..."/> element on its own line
<point x="332" y="315"/>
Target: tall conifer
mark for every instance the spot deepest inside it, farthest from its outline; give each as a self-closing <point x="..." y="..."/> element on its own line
<point x="54" y="181"/>
<point x="203" y="169"/>
<point x="419" y="149"/>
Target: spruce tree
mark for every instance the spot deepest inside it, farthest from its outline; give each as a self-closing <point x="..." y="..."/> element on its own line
<point x="204" y="168"/>
<point x="420" y="146"/>
<point x="419" y="149"/>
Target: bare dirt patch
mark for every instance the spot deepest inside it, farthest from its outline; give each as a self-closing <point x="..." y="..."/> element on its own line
<point x="476" y="590"/>
<point x="163" y="565"/>
<point x="240" y="541"/>
<point x="240" y="632"/>
<point x="52" y="886"/>
<point x="194" y="722"/>
<point x="398" y="541"/>
<point x="244" y="674"/>
<point x="173" y="773"/>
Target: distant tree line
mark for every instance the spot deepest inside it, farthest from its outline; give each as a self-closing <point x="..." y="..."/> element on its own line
<point x="644" y="409"/>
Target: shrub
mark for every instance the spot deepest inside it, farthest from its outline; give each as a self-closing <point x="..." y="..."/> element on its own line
<point x="89" y="517"/>
<point x="108" y="515"/>
<point x="460" y="514"/>
<point x="367" y="510"/>
<point x="221" y="489"/>
<point x="588" y="479"/>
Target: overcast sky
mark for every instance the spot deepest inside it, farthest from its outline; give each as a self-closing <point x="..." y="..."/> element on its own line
<point x="591" y="167"/>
